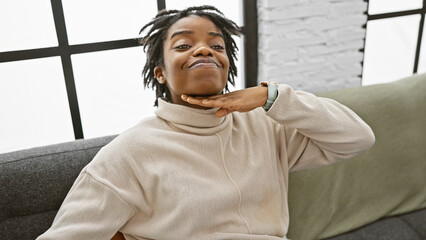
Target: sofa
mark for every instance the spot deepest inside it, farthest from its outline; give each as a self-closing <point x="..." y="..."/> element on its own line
<point x="380" y="194"/>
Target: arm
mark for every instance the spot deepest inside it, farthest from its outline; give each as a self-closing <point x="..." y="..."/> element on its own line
<point x="317" y="130"/>
<point x="91" y="210"/>
<point x="314" y="131"/>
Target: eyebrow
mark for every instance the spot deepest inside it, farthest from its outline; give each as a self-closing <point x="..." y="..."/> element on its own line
<point x="215" y="34"/>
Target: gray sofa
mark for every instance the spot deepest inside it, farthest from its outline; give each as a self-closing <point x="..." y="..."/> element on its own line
<point x="367" y="197"/>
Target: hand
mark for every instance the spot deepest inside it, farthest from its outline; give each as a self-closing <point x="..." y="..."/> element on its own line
<point x="243" y="100"/>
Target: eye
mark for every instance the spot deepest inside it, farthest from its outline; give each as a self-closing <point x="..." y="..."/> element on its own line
<point x="182" y="47"/>
<point x="218" y="47"/>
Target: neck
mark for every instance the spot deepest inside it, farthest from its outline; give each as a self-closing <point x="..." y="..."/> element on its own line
<point x="180" y="101"/>
<point x="192" y="120"/>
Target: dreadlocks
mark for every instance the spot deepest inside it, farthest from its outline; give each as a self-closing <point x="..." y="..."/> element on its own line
<point x="153" y="41"/>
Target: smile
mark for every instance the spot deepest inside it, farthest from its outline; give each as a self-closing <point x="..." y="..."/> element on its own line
<point x="203" y="63"/>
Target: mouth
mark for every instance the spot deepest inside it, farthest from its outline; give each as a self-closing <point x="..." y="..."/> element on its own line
<point x="209" y="63"/>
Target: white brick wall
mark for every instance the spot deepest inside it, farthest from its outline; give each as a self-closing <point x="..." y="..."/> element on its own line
<point x="311" y="45"/>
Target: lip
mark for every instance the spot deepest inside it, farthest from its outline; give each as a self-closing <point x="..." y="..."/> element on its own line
<point x="203" y="63"/>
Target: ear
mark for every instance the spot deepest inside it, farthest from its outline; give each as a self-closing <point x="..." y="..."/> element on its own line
<point x="159" y="74"/>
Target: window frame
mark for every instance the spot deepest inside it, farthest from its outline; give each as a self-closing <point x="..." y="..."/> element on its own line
<point x="421" y="11"/>
<point x="65" y="50"/>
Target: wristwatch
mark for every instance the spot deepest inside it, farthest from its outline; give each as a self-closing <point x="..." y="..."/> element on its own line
<point x="272" y="93"/>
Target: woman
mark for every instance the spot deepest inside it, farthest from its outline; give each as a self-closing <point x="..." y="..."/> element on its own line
<point x="208" y="165"/>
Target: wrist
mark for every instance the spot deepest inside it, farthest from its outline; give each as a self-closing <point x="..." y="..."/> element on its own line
<point x="272" y="93"/>
<point x="263" y="95"/>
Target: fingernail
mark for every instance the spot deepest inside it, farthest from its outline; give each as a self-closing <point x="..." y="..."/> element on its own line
<point x="205" y="101"/>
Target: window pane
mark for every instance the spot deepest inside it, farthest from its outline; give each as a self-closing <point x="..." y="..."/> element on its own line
<point x="390" y="49"/>
<point x="422" y="60"/>
<point x="110" y="90"/>
<point x="106" y="20"/>
<point x="384" y="6"/>
<point x="26" y="24"/>
<point x="239" y="80"/>
<point x="34" y="104"/>
<point x="231" y="8"/>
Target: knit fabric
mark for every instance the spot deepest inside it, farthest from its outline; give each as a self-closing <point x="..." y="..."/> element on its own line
<point x="186" y="174"/>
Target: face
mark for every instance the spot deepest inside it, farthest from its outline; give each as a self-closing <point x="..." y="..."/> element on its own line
<point x="195" y="59"/>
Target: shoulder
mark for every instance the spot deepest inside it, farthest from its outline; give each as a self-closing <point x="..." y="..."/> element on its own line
<point x="126" y="152"/>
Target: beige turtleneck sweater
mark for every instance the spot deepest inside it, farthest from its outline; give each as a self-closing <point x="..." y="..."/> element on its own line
<point x="186" y="174"/>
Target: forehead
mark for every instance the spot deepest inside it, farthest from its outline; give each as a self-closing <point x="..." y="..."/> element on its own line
<point x="194" y="23"/>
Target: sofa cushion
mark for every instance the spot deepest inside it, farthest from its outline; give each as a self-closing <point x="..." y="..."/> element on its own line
<point x="36" y="182"/>
<point x="26" y="227"/>
<point x="407" y="226"/>
<point x="387" y="180"/>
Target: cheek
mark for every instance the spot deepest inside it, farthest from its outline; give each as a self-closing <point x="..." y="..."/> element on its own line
<point x="173" y="74"/>
<point x="168" y="70"/>
<point x="174" y="64"/>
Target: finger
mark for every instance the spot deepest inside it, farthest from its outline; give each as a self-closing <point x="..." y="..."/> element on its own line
<point x="192" y="100"/>
<point x="211" y="102"/>
<point x="222" y="100"/>
<point x="222" y="112"/>
<point x="228" y="102"/>
<point x="187" y="98"/>
<point x="202" y="101"/>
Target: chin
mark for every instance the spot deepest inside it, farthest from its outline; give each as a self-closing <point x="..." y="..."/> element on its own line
<point x="205" y="92"/>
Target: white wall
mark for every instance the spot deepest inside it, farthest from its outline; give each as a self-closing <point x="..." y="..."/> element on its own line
<point x="311" y="45"/>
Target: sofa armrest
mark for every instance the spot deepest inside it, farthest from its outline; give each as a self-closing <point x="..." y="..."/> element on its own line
<point x="36" y="182"/>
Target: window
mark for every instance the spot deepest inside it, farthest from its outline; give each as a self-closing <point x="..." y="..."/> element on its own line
<point x="34" y="106"/>
<point x="120" y="101"/>
<point x="395" y="42"/>
<point x="71" y="69"/>
<point x="23" y="20"/>
<point x="106" y="20"/>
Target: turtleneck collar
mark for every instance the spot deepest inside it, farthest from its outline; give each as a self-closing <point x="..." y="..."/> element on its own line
<point x="193" y="120"/>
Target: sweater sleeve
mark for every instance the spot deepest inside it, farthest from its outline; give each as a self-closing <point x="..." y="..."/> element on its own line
<point x="316" y="131"/>
<point x="91" y="210"/>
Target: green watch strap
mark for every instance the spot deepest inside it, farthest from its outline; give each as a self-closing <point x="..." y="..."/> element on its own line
<point x="272" y="95"/>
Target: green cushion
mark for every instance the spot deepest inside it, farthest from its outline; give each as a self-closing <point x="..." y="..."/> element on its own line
<point x="387" y="180"/>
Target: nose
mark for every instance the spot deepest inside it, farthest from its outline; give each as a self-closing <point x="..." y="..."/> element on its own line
<point x="203" y="50"/>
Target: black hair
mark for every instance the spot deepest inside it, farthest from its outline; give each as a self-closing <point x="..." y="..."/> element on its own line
<point x="153" y="41"/>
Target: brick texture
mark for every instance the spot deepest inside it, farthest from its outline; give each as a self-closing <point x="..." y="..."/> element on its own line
<point x="312" y="45"/>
